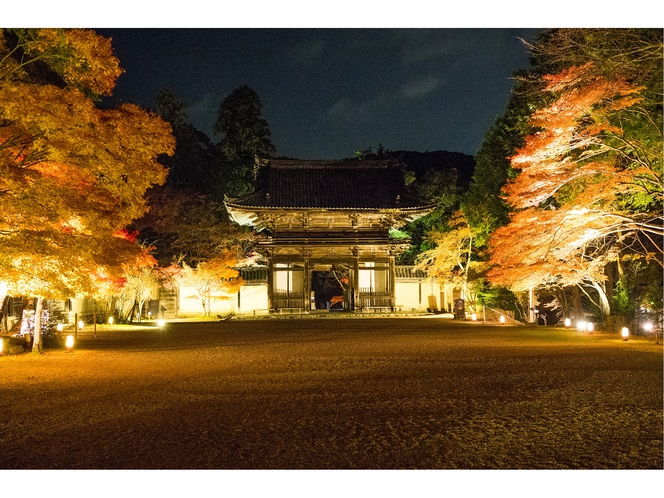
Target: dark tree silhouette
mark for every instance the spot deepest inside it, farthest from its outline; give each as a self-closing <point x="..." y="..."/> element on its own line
<point x="245" y="136"/>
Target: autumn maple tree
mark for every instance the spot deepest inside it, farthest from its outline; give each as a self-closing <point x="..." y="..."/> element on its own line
<point x="72" y="175"/>
<point x="589" y="189"/>
<point x="141" y="281"/>
<point x="452" y="256"/>
<point x="212" y="280"/>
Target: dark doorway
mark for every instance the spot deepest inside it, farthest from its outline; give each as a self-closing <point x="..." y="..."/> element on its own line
<point x="327" y="289"/>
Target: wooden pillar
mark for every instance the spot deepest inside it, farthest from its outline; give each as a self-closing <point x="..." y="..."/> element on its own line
<point x="393" y="282"/>
<point x="270" y="283"/>
<point x="356" y="280"/>
<point x="307" y="286"/>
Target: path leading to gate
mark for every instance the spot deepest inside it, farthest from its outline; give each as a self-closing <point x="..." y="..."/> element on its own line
<point x="342" y="393"/>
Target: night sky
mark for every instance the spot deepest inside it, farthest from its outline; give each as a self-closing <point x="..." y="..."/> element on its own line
<point x="329" y="92"/>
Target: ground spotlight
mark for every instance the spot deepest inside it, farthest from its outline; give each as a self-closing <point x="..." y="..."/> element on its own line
<point x="161" y="323"/>
<point x="568" y="322"/>
<point x="80" y="325"/>
<point x="502" y="319"/>
<point x="647" y="326"/>
<point x="473" y="317"/>
<point x="69" y="343"/>
<point x="581" y="325"/>
<point x="625" y="333"/>
<point x="110" y="320"/>
<point x="590" y="327"/>
<point x="60" y="327"/>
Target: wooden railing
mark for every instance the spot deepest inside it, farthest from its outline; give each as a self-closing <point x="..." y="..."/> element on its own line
<point x="370" y="298"/>
<point x="291" y="300"/>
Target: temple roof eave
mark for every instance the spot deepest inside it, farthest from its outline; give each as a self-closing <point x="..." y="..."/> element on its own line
<point x="251" y="215"/>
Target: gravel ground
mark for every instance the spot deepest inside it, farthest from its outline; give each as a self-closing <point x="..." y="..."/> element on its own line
<point x="335" y="394"/>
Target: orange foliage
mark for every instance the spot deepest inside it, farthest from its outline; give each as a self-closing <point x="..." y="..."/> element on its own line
<point x="72" y="176"/>
<point x="81" y="57"/>
<point x="568" y="191"/>
<point x="568" y="146"/>
<point x="336" y="299"/>
<point x="213" y="279"/>
<point x="548" y="246"/>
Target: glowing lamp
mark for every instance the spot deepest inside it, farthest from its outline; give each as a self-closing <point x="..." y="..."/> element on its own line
<point x="625" y="333"/>
<point x="502" y="319"/>
<point x="161" y="323"/>
<point x="110" y="320"/>
<point x="69" y="343"/>
<point x="80" y="325"/>
<point x="581" y="325"/>
<point x="647" y="326"/>
<point x="590" y="327"/>
<point x="60" y="327"/>
<point x="568" y="322"/>
<point x="473" y="316"/>
<point x="2" y="346"/>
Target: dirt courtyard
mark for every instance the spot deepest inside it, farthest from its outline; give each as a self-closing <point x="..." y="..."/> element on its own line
<point x="357" y="393"/>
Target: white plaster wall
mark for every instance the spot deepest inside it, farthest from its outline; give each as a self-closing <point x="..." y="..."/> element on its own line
<point x="253" y="297"/>
<point x="408" y="295"/>
<point x="190" y="303"/>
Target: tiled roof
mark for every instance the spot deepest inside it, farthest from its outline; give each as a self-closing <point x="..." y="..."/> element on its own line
<point x="348" y="184"/>
<point x="253" y="273"/>
<point x="409" y="272"/>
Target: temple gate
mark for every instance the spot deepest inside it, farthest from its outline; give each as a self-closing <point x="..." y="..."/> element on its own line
<point x="330" y="220"/>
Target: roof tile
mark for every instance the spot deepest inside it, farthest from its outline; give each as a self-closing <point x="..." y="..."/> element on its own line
<point x="348" y="184"/>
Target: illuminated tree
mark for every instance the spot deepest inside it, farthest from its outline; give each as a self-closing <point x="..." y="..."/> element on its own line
<point x="215" y="279"/>
<point x="452" y="257"/>
<point x="141" y="282"/>
<point x="72" y="176"/>
<point x="590" y="186"/>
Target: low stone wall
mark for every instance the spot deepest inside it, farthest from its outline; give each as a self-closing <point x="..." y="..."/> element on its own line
<point x="13" y="345"/>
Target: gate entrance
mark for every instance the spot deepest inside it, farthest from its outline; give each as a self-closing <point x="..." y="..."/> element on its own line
<point x="328" y="291"/>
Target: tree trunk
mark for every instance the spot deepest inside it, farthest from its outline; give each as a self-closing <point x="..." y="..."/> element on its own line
<point x="37" y="346"/>
<point x="577" y="306"/>
<point x="610" y="283"/>
<point x="604" y="307"/>
<point x="131" y="314"/>
<point x="564" y="303"/>
<point x="5" y="312"/>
